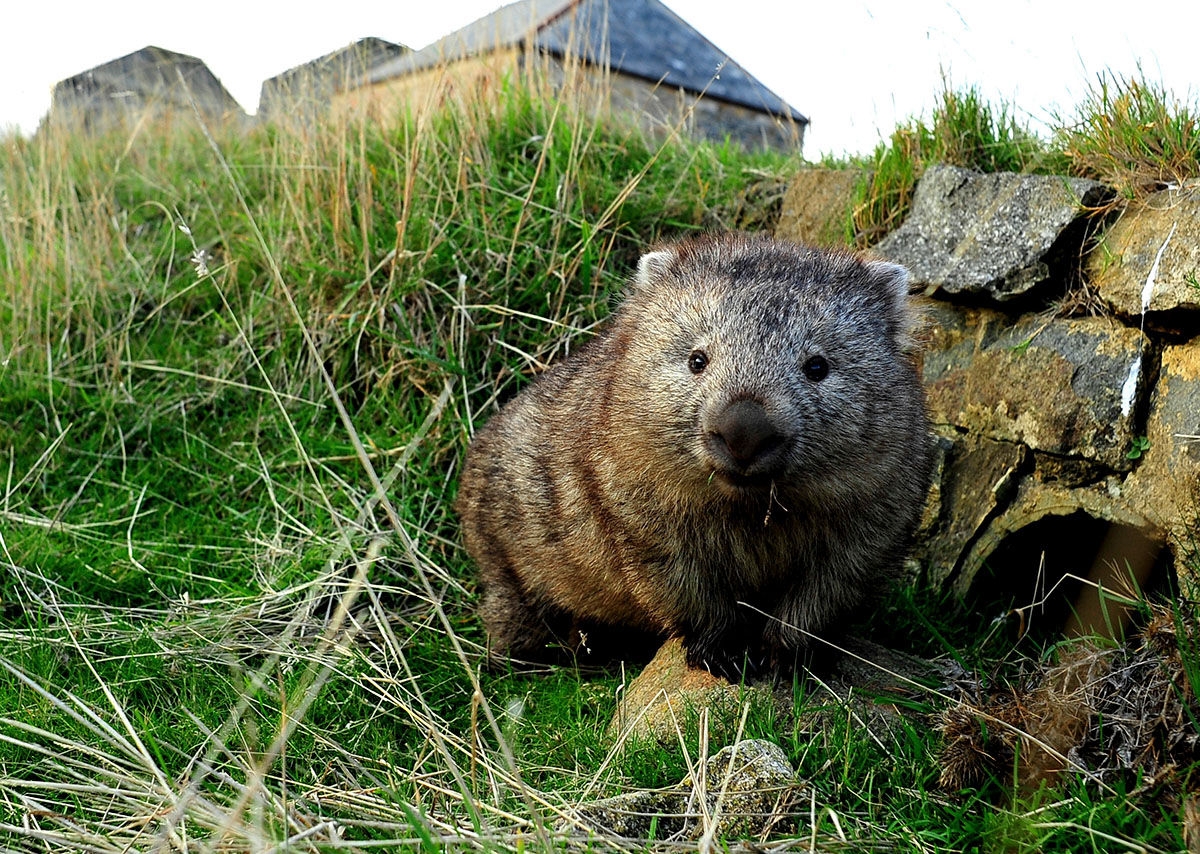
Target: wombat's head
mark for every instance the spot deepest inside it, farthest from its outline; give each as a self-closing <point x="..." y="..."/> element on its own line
<point x="752" y="365"/>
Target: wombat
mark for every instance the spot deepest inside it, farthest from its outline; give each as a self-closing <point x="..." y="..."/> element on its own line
<point x="739" y="458"/>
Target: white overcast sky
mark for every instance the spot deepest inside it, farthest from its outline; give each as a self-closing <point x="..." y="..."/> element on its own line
<point x="854" y="67"/>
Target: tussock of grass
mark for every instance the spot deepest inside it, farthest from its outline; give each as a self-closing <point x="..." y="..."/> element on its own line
<point x="965" y="131"/>
<point x="1134" y="135"/>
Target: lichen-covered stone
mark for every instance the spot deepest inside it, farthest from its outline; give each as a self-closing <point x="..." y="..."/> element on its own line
<point x="817" y="207"/>
<point x="997" y="235"/>
<point x="642" y="814"/>
<point x="978" y="479"/>
<point x="743" y="787"/>
<point x="954" y="336"/>
<point x="656" y="703"/>
<point x="1166" y="483"/>
<point x="737" y="796"/>
<point x="1056" y="386"/>
<point x="1122" y="264"/>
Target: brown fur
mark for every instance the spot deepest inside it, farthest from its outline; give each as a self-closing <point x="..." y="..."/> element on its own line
<point x="746" y="436"/>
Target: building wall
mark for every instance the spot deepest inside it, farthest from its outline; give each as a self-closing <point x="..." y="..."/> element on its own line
<point x="655" y="109"/>
<point x="429" y="88"/>
<point x="659" y="109"/>
<point x="306" y="91"/>
<point x="149" y="84"/>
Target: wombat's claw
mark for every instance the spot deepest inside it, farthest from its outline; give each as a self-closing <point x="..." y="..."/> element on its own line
<point x="726" y="671"/>
<point x="755" y="666"/>
<point x="731" y="669"/>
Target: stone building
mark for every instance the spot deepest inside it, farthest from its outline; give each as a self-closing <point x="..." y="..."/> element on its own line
<point x="150" y="82"/>
<point x="308" y="88"/>
<point x="653" y="65"/>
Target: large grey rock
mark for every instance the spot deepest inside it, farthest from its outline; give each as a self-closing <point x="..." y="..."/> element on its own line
<point x="997" y="235"/>
<point x="1125" y="261"/>
<point x="1061" y="386"/>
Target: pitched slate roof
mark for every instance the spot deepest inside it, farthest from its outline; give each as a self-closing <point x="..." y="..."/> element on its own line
<point x="641" y="38"/>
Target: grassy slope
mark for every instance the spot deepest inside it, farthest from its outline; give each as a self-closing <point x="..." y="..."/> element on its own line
<point x="236" y="378"/>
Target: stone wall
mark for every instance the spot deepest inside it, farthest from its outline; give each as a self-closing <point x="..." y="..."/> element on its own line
<point x="1062" y="370"/>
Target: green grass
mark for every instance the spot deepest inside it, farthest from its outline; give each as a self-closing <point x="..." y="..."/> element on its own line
<point x="237" y="375"/>
<point x="1131" y="133"/>
<point x="1134" y="135"/>
<point x="965" y="130"/>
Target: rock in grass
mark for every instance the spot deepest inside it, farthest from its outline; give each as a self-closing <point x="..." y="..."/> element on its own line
<point x="667" y="693"/>
<point x="741" y="792"/>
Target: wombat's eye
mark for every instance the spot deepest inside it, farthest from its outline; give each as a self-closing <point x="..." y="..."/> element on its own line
<point x="697" y="361"/>
<point x="816" y="368"/>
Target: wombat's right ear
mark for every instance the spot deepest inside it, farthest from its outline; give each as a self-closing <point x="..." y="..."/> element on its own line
<point x="653" y="266"/>
<point x="893" y="281"/>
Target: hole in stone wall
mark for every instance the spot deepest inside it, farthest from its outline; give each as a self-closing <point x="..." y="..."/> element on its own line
<point x="1036" y="575"/>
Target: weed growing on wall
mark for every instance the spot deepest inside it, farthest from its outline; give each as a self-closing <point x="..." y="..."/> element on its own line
<point x="1133" y="134"/>
<point x="965" y="130"/>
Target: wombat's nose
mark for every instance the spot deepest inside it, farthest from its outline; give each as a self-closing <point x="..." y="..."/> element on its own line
<point x="742" y="436"/>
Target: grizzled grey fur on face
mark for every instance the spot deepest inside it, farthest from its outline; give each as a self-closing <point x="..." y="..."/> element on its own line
<point x="739" y="459"/>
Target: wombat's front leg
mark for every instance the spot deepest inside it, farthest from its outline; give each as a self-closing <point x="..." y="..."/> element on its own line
<point x="805" y="628"/>
<point x="731" y="650"/>
<point x="515" y="627"/>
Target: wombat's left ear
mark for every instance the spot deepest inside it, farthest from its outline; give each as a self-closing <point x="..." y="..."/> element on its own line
<point x="653" y="267"/>
<point x="892" y="281"/>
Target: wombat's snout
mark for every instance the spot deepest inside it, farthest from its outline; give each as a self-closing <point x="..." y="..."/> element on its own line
<point x="742" y="439"/>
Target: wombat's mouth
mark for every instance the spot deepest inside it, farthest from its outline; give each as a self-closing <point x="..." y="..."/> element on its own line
<point x="734" y="483"/>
